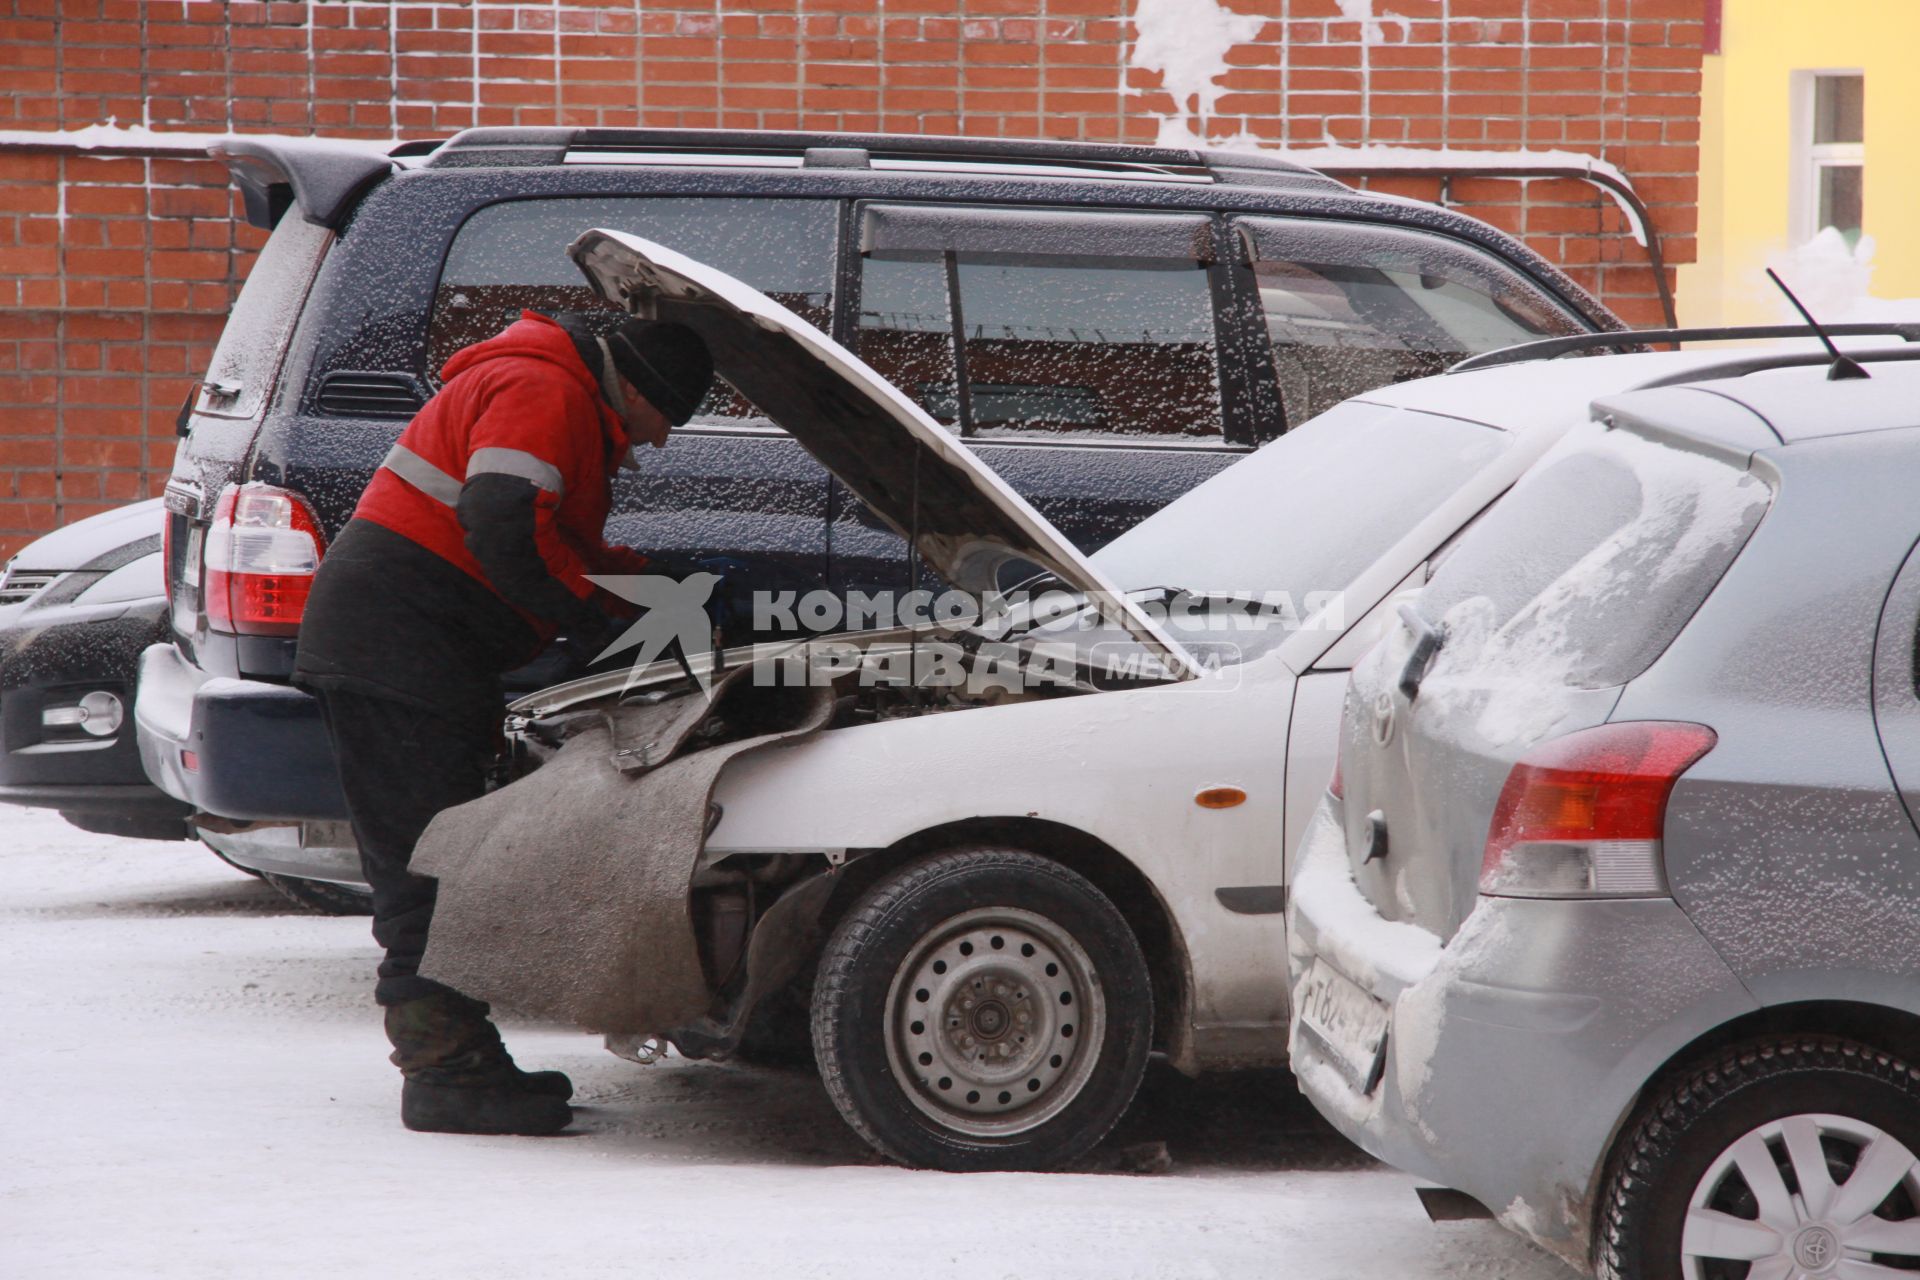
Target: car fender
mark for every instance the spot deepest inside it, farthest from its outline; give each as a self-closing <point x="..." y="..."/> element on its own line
<point x="1123" y="768"/>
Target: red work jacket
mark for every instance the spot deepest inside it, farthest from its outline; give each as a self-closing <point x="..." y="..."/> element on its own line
<point x="522" y="403"/>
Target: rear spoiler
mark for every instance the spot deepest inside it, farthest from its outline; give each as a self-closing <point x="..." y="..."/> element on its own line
<point x="325" y="179"/>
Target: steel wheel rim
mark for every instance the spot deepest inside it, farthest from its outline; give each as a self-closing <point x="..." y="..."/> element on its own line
<point x="1812" y="1225"/>
<point x="979" y="1036"/>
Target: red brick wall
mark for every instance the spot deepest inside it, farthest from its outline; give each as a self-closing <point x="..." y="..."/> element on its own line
<point x="115" y="269"/>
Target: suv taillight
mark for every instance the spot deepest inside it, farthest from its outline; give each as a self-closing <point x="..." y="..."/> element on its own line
<point x="262" y="549"/>
<point x="166" y="557"/>
<point x="1581" y="816"/>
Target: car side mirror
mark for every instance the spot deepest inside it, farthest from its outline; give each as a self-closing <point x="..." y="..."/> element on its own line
<point x="185" y="416"/>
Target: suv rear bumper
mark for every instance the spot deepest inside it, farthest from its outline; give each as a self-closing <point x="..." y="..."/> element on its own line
<point x="308" y="851"/>
<point x="260" y="751"/>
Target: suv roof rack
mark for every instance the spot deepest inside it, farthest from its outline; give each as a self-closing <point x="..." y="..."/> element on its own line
<point x="1549" y="348"/>
<point x="804" y="149"/>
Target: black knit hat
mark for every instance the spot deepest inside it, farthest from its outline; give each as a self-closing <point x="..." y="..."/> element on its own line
<point x="667" y="363"/>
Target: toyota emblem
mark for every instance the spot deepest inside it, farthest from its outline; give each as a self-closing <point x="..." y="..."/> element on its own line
<point x="1815" y="1247"/>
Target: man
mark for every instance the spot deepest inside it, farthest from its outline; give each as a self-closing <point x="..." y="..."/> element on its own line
<point x="468" y="553"/>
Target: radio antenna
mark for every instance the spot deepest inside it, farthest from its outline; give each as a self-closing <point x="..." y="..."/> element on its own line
<point x="1843" y="366"/>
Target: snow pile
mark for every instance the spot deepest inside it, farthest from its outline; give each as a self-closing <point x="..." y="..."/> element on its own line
<point x="1187" y="42"/>
<point x="1827" y="274"/>
<point x="1834" y="280"/>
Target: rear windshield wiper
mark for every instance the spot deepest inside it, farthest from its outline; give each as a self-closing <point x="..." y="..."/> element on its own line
<point x="1427" y="640"/>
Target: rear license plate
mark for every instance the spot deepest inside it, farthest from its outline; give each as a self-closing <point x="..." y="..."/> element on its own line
<point x="1348" y="1021"/>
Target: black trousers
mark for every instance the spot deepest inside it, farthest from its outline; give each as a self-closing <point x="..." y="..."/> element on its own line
<point x="399" y="765"/>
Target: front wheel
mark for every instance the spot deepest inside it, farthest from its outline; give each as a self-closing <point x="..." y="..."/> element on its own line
<point x="1788" y="1157"/>
<point x="985" y="1009"/>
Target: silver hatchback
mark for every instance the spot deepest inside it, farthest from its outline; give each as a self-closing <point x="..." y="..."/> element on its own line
<point x="1611" y="915"/>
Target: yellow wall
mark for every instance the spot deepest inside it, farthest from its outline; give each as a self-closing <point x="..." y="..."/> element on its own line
<point x="1746" y="145"/>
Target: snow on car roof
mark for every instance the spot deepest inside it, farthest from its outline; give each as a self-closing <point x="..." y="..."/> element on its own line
<point x="1799" y="403"/>
<point x="1515" y="397"/>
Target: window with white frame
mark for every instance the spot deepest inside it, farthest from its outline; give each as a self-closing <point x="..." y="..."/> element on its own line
<point x="1829" y="179"/>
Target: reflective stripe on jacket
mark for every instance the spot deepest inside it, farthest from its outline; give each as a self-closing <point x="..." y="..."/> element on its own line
<point x="522" y="404"/>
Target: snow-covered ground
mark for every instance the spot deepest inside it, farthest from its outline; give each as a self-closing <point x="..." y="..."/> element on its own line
<point x="193" y="1083"/>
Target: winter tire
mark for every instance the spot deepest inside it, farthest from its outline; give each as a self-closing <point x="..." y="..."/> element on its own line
<point x="984" y="1009"/>
<point x="1787" y="1157"/>
<point x="323" y="896"/>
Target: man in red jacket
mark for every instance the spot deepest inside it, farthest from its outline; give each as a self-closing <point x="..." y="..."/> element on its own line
<point x="469" y="552"/>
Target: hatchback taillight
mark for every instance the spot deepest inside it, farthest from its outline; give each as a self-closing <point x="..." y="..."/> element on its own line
<point x="261" y="553"/>
<point x="1581" y="816"/>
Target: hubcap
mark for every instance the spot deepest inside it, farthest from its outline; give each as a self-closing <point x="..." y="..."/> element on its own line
<point x="1811" y="1196"/>
<point x="994" y="1022"/>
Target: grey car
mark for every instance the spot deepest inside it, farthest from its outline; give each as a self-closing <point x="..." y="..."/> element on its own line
<point x="1610" y="916"/>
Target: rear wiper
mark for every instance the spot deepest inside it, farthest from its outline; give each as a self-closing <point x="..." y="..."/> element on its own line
<point x="1427" y="640"/>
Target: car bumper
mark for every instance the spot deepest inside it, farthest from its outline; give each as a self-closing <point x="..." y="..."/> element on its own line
<point x="307" y="851"/>
<point x="237" y="748"/>
<point x="52" y="656"/>
<point x="1514" y="1052"/>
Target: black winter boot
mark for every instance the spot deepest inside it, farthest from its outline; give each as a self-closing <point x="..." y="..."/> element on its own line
<point x="429" y="1107"/>
<point x="459" y="1077"/>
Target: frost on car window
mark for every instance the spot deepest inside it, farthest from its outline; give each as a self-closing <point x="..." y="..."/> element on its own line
<point x="1307" y="513"/>
<point x="1588" y="570"/>
<point x="1349" y="309"/>
<point x="1063" y="348"/>
<point x="248" y="358"/>
<point x="512" y="257"/>
<point x="1089" y="346"/>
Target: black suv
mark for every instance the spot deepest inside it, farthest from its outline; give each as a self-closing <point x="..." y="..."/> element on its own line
<point x="1106" y="325"/>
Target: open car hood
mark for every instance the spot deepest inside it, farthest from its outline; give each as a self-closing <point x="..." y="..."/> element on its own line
<point x="882" y="446"/>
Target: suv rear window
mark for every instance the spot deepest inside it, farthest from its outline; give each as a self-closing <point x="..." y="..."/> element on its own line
<point x="1586" y="572"/>
<point x="512" y="257"/>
